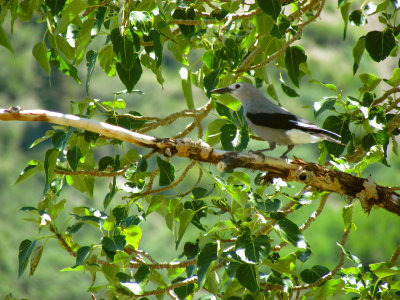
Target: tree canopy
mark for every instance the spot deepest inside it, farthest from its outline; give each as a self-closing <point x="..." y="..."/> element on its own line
<point x="231" y="213"/>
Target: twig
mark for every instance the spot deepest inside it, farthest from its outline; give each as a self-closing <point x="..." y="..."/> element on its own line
<point x="171" y="287"/>
<point x="386" y="95"/>
<point x="96" y="173"/>
<point x="172" y="185"/>
<point x="395" y="255"/>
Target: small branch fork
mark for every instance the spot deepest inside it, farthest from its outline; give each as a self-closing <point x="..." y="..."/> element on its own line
<point x="369" y="193"/>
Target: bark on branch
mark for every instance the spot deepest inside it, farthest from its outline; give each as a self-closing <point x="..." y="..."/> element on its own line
<point x="365" y="189"/>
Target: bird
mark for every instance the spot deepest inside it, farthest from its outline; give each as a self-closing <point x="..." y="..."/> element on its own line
<point x="273" y="123"/>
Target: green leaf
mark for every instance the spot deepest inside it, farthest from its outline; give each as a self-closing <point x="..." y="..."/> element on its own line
<point x="289" y="91"/>
<point x="347" y="214"/>
<point x="284" y="264"/>
<point x="49" y="165"/>
<point x="191" y="250"/>
<point x="81" y="254"/>
<point x="270" y="7"/>
<point x="55" y="208"/>
<point x="370" y="82"/>
<point x="340" y="125"/>
<point x="131" y="77"/>
<point x="116" y="104"/>
<point x="25" y="250"/>
<point x="126" y="47"/>
<point x="207" y="255"/>
<point x="354" y="259"/>
<point x="185" y="14"/>
<point x="73" y="157"/>
<point x="323" y="105"/>
<point x="107" y="60"/>
<point x="106" y="161"/>
<point x="69" y="13"/>
<point x="279" y="29"/>
<point x="32" y="167"/>
<point x="330" y="287"/>
<point x="142" y="274"/>
<point x="74" y="228"/>
<point x="229" y="132"/>
<point x="233" y="138"/>
<point x="158" y="48"/>
<point x="110" y="195"/>
<point x="91" y="57"/>
<point x="358" y="51"/>
<point x="344" y="11"/>
<point x="167" y="172"/>
<point x="131" y="156"/>
<point x="26" y="8"/>
<point x="83" y="40"/>
<point x="211" y="81"/>
<point x="39" y="51"/>
<point x="379" y="44"/>
<point x="385" y="269"/>
<point x="184" y="220"/>
<point x="381" y="139"/>
<point x="110" y="245"/>
<point x="269" y="205"/>
<point x="210" y="59"/>
<point x="213" y="134"/>
<point x="133" y="234"/>
<point x="199" y="207"/>
<point x="294" y="56"/>
<point x="313" y="274"/>
<point x="241" y="177"/>
<point x="64" y="47"/>
<point x="357" y="17"/>
<point x="292" y="233"/>
<point x="247" y="276"/>
<point x="35" y="259"/>
<point x="252" y="249"/>
<point x="83" y="183"/>
<point x="183" y="291"/>
<point x="151" y="64"/>
<point x="395" y="80"/>
<point x="186" y="87"/>
<point x="59" y="63"/>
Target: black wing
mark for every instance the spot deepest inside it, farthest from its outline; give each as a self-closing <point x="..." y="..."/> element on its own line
<point x="286" y="122"/>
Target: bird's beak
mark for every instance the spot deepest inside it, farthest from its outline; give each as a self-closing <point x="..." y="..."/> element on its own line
<point x="225" y="90"/>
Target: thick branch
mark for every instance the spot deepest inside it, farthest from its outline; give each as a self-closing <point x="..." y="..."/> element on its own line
<point x="369" y="193"/>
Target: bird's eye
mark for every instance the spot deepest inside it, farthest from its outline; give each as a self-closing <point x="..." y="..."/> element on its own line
<point x="237" y="86"/>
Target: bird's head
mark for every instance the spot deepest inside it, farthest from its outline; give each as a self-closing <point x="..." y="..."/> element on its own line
<point x="242" y="91"/>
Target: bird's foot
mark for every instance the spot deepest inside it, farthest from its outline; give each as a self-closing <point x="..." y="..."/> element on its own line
<point x="258" y="152"/>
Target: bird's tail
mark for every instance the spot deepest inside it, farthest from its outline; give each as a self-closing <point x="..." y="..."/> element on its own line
<point x="331" y="139"/>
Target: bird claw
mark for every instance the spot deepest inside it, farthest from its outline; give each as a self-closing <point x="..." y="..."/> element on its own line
<point x="258" y="152"/>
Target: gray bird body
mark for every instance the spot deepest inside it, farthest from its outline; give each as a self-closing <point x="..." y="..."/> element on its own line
<point x="272" y="123"/>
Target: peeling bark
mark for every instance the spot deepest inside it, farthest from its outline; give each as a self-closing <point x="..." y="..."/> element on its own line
<point x="365" y="189"/>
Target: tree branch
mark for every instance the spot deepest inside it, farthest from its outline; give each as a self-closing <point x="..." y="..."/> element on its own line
<point x="369" y="193"/>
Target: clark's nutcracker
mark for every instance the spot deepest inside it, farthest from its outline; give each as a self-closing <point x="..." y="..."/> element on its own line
<point x="275" y="124"/>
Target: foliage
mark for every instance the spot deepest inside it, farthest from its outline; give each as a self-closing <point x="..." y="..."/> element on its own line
<point x="245" y="244"/>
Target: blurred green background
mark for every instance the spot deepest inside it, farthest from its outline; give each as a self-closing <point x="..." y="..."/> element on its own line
<point x="23" y="83"/>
